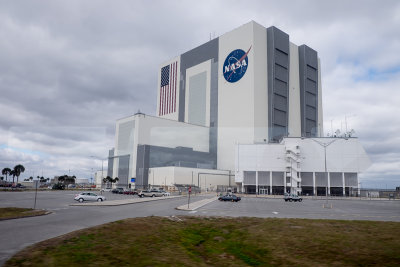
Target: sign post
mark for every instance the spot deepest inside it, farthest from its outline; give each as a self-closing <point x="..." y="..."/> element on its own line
<point x="189" y="191"/>
<point x="36" y="183"/>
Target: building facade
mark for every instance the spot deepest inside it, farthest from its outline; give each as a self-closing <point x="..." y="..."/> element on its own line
<point x="248" y="86"/>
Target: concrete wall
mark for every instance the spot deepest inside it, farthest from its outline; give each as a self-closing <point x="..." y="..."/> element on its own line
<point x="204" y="178"/>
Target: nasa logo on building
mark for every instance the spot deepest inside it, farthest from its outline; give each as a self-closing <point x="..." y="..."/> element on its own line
<point x="235" y="65"/>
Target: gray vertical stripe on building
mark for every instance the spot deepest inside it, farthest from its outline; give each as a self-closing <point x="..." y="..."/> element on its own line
<point x="321" y="179"/>
<point x="278" y="83"/>
<point x="277" y="178"/>
<point x="308" y="70"/>
<point x="336" y="179"/>
<point x="307" y="179"/>
<point x="249" y="177"/>
<point x="197" y="99"/>
<point x="214" y="111"/>
<point x="350" y="179"/>
<point x="189" y="59"/>
<point x="263" y="178"/>
<point x="123" y="170"/>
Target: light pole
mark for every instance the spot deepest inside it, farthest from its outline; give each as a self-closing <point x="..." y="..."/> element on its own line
<point x="325" y="145"/>
<point x="102" y="160"/>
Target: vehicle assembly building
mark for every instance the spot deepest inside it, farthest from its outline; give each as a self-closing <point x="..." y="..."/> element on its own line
<point x="243" y="110"/>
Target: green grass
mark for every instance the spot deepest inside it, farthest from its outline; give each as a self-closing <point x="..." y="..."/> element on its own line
<point x="13" y="213"/>
<point x="209" y="241"/>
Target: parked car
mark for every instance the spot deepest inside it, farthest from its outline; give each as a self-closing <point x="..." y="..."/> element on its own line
<point x="118" y="190"/>
<point x="108" y="189"/>
<point x="229" y="197"/>
<point x="165" y="193"/>
<point x="89" y="196"/>
<point x="130" y="192"/>
<point x="151" y="193"/>
<point x="292" y="197"/>
<point x="19" y="186"/>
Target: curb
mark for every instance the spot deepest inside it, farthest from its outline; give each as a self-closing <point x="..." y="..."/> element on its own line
<point x="122" y="201"/>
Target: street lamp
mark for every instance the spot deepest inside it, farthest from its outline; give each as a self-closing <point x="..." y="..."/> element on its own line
<point x="325" y="145"/>
<point x="102" y="160"/>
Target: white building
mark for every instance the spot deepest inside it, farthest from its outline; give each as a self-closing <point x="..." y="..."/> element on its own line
<point x="98" y="178"/>
<point x="248" y="86"/>
<point x="313" y="166"/>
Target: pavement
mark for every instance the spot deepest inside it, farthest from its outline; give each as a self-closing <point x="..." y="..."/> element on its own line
<point x="197" y="204"/>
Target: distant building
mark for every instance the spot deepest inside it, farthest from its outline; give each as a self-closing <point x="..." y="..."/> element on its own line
<point x="98" y="178"/>
<point x="250" y="88"/>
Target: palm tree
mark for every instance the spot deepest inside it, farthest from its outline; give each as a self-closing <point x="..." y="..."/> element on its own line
<point x="62" y="178"/>
<point x="18" y="170"/>
<point x="12" y="172"/>
<point x="107" y="180"/>
<point x="31" y="178"/>
<point x="6" y="172"/>
<point x="116" y="179"/>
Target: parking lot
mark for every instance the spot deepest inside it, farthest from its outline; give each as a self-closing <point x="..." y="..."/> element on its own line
<point x="19" y="233"/>
<point x="354" y="209"/>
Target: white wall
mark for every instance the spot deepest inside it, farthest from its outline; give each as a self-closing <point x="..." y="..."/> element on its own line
<point x="235" y="100"/>
<point x="205" y="178"/>
<point x="260" y="83"/>
<point x="156" y="131"/>
<point x="342" y="156"/>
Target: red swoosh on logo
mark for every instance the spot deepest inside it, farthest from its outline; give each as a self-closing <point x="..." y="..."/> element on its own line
<point x="243" y="57"/>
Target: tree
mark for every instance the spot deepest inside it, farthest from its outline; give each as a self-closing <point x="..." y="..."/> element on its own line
<point x="12" y="172"/>
<point x="70" y="179"/>
<point x="31" y="178"/>
<point x="61" y="178"/>
<point x="2" y="178"/>
<point x="18" y="169"/>
<point x="115" y="180"/>
<point x="6" y="172"/>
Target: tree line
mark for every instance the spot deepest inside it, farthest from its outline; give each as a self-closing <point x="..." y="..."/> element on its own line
<point x="15" y="172"/>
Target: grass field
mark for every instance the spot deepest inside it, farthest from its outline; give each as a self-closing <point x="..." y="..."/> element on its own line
<point x="13" y="213"/>
<point x="203" y="241"/>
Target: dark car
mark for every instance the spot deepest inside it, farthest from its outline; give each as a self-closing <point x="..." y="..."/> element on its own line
<point x="232" y="198"/>
<point x="118" y="190"/>
<point x="292" y="197"/>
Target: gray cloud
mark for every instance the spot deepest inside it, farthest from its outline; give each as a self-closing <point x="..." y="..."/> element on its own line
<point x="69" y="69"/>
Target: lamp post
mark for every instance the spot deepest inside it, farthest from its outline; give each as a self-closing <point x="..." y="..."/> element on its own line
<point x="325" y="145"/>
<point x="102" y="160"/>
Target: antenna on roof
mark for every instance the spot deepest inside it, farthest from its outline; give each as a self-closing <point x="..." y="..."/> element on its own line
<point x="139" y="113"/>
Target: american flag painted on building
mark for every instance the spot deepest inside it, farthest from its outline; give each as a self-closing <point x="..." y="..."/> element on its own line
<point x="168" y="87"/>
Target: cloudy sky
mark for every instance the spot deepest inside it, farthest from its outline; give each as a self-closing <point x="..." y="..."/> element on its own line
<point x="69" y="69"/>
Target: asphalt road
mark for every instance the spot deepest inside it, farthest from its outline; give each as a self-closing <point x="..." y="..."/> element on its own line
<point x="18" y="233"/>
<point x="374" y="210"/>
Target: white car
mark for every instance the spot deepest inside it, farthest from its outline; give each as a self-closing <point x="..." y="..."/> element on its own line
<point x="89" y="196"/>
<point x="166" y="194"/>
<point x="108" y="189"/>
